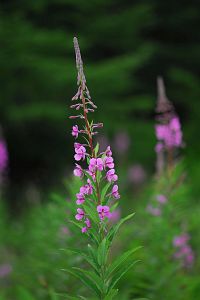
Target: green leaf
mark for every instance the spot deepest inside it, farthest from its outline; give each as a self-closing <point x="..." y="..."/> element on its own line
<point x="102" y="252"/>
<point x="93" y="277"/>
<point x="119" y="262"/>
<point x="84" y="256"/>
<point x="98" y="176"/>
<point x="115" y="228"/>
<point x="24" y="294"/>
<point x="104" y="191"/>
<point x="88" y="160"/>
<point x="90" y="177"/>
<point x="114" y="206"/>
<point x="75" y="223"/>
<point x="93" y="233"/>
<point x="52" y="294"/>
<point x="92" y="213"/>
<point x="85" y="279"/>
<point x="112" y="293"/>
<point x="93" y="254"/>
<point x="96" y="149"/>
<point x="120" y="274"/>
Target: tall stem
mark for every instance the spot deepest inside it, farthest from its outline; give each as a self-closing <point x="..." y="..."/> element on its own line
<point x="88" y="127"/>
<point x="90" y="142"/>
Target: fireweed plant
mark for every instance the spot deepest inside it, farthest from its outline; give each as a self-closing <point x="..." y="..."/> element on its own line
<point x="97" y="199"/>
<point x="169" y="140"/>
<point x="168" y="130"/>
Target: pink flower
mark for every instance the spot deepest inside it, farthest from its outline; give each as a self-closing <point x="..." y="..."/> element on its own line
<point x="176" y="132"/>
<point x="80" y="214"/>
<point x="184" y="251"/>
<point x="78" y="171"/>
<point x="96" y="164"/>
<point x="88" y="225"/>
<point x="75" y="131"/>
<point x="108" y="162"/>
<point x="87" y="189"/>
<point x="181" y="240"/>
<point x="103" y="211"/>
<point x="111" y="176"/>
<point x="80" y="153"/>
<point x="115" y="215"/>
<point x="161" y="131"/>
<point x="175" y="124"/>
<point x="77" y="146"/>
<point x="115" y="192"/>
<point x="92" y="165"/>
<point x="154" y="211"/>
<point x="87" y="222"/>
<point x="99" y="164"/>
<point x="170" y="133"/>
<point x="84" y="229"/>
<point x="189" y="259"/>
<point x="161" y="199"/>
<point x="92" y="174"/>
<point x="3" y="156"/>
<point x="108" y="151"/>
<point x="80" y="199"/>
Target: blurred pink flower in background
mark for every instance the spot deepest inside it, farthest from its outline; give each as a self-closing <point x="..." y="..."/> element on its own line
<point x="170" y="134"/>
<point x="121" y="142"/>
<point x="64" y="230"/>
<point x="115" y="216"/>
<point x="5" y="270"/>
<point x="181" y="240"/>
<point x="162" y="199"/>
<point x="154" y="211"/>
<point x="3" y="156"/>
<point x="157" y="211"/>
<point x="136" y="174"/>
<point x="184" y="251"/>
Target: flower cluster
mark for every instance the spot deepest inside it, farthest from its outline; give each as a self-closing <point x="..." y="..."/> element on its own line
<point x="169" y="135"/>
<point x="184" y="251"/>
<point x="168" y="129"/>
<point x="157" y="211"/>
<point x="99" y="171"/>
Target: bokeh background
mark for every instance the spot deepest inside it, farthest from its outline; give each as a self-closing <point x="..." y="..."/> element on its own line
<point x="125" y="45"/>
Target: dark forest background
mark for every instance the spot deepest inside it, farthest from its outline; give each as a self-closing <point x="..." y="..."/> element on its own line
<point x="125" y="46"/>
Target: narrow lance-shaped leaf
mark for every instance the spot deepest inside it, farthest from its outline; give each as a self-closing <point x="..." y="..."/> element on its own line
<point x="115" y="228"/>
<point x="119" y="262"/>
<point x="86" y="280"/>
<point x="120" y="274"/>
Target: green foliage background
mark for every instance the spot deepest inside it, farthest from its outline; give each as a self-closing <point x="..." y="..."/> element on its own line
<point x="125" y="45"/>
